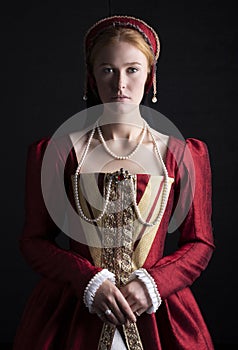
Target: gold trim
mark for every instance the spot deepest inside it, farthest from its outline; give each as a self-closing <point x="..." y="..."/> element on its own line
<point x="129" y="18"/>
<point x="132" y="337"/>
<point x="106" y="338"/>
<point x="116" y="238"/>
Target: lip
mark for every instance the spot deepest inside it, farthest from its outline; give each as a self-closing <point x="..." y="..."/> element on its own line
<point x="120" y="98"/>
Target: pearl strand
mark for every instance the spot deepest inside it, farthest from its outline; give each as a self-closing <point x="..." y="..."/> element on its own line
<point x="165" y="187"/>
<point x="115" y="155"/>
<point x="80" y="210"/>
<point x="75" y="180"/>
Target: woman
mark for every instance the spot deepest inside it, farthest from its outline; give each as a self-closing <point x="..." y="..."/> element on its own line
<point x="114" y="288"/>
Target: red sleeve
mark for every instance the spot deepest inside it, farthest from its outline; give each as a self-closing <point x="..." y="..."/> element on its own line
<point x="181" y="268"/>
<point x="37" y="242"/>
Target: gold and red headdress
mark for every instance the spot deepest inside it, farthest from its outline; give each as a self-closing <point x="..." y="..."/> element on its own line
<point x="147" y="32"/>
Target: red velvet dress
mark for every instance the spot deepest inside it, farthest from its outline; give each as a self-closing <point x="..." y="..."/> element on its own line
<point x="55" y="317"/>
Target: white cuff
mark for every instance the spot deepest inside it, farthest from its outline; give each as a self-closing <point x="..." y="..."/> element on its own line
<point x="94" y="284"/>
<point x="151" y="286"/>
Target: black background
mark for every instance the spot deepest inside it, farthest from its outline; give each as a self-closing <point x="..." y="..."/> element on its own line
<point x="42" y="72"/>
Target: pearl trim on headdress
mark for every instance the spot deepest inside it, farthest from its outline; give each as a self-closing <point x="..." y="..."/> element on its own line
<point x="129" y="24"/>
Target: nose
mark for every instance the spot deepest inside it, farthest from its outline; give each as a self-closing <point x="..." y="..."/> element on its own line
<point x="120" y="82"/>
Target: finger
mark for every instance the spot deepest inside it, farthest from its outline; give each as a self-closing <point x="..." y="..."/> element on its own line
<point x="120" y="307"/>
<point x="118" y="313"/>
<point x="104" y="319"/>
<point x="109" y="296"/>
<point x="136" y="302"/>
<point x="116" y="310"/>
<point x="103" y="316"/>
<point x="125" y="308"/>
<point x="112" y="319"/>
<point x="131" y="300"/>
<point x="136" y="294"/>
<point x="109" y="315"/>
<point x="137" y="310"/>
<point x="125" y="292"/>
<point x="134" y="307"/>
<point x="138" y="307"/>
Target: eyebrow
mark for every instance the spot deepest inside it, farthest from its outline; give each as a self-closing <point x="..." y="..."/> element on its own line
<point x="126" y="64"/>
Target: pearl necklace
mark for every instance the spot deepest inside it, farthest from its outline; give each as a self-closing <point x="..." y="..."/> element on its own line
<point x="112" y="176"/>
<point x="115" y="155"/>
<point x="165" y="192"/>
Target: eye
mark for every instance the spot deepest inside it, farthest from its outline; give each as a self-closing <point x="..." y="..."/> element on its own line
<point x="132" y="70"/>
<point x="108" y="70"/>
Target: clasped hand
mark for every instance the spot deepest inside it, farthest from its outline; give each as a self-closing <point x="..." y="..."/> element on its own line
<point x="124" y="303"/>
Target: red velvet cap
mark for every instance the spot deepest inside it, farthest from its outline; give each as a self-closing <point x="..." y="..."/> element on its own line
<point x="143" y="28"/>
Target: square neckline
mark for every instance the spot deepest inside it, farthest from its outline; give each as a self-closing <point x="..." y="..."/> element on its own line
<point x="165" y="160"/>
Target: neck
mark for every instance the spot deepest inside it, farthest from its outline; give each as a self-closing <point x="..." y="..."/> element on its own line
<point x="121" y="122"/>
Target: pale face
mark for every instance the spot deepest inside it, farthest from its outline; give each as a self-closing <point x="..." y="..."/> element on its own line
<point x="120" y="71"/>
